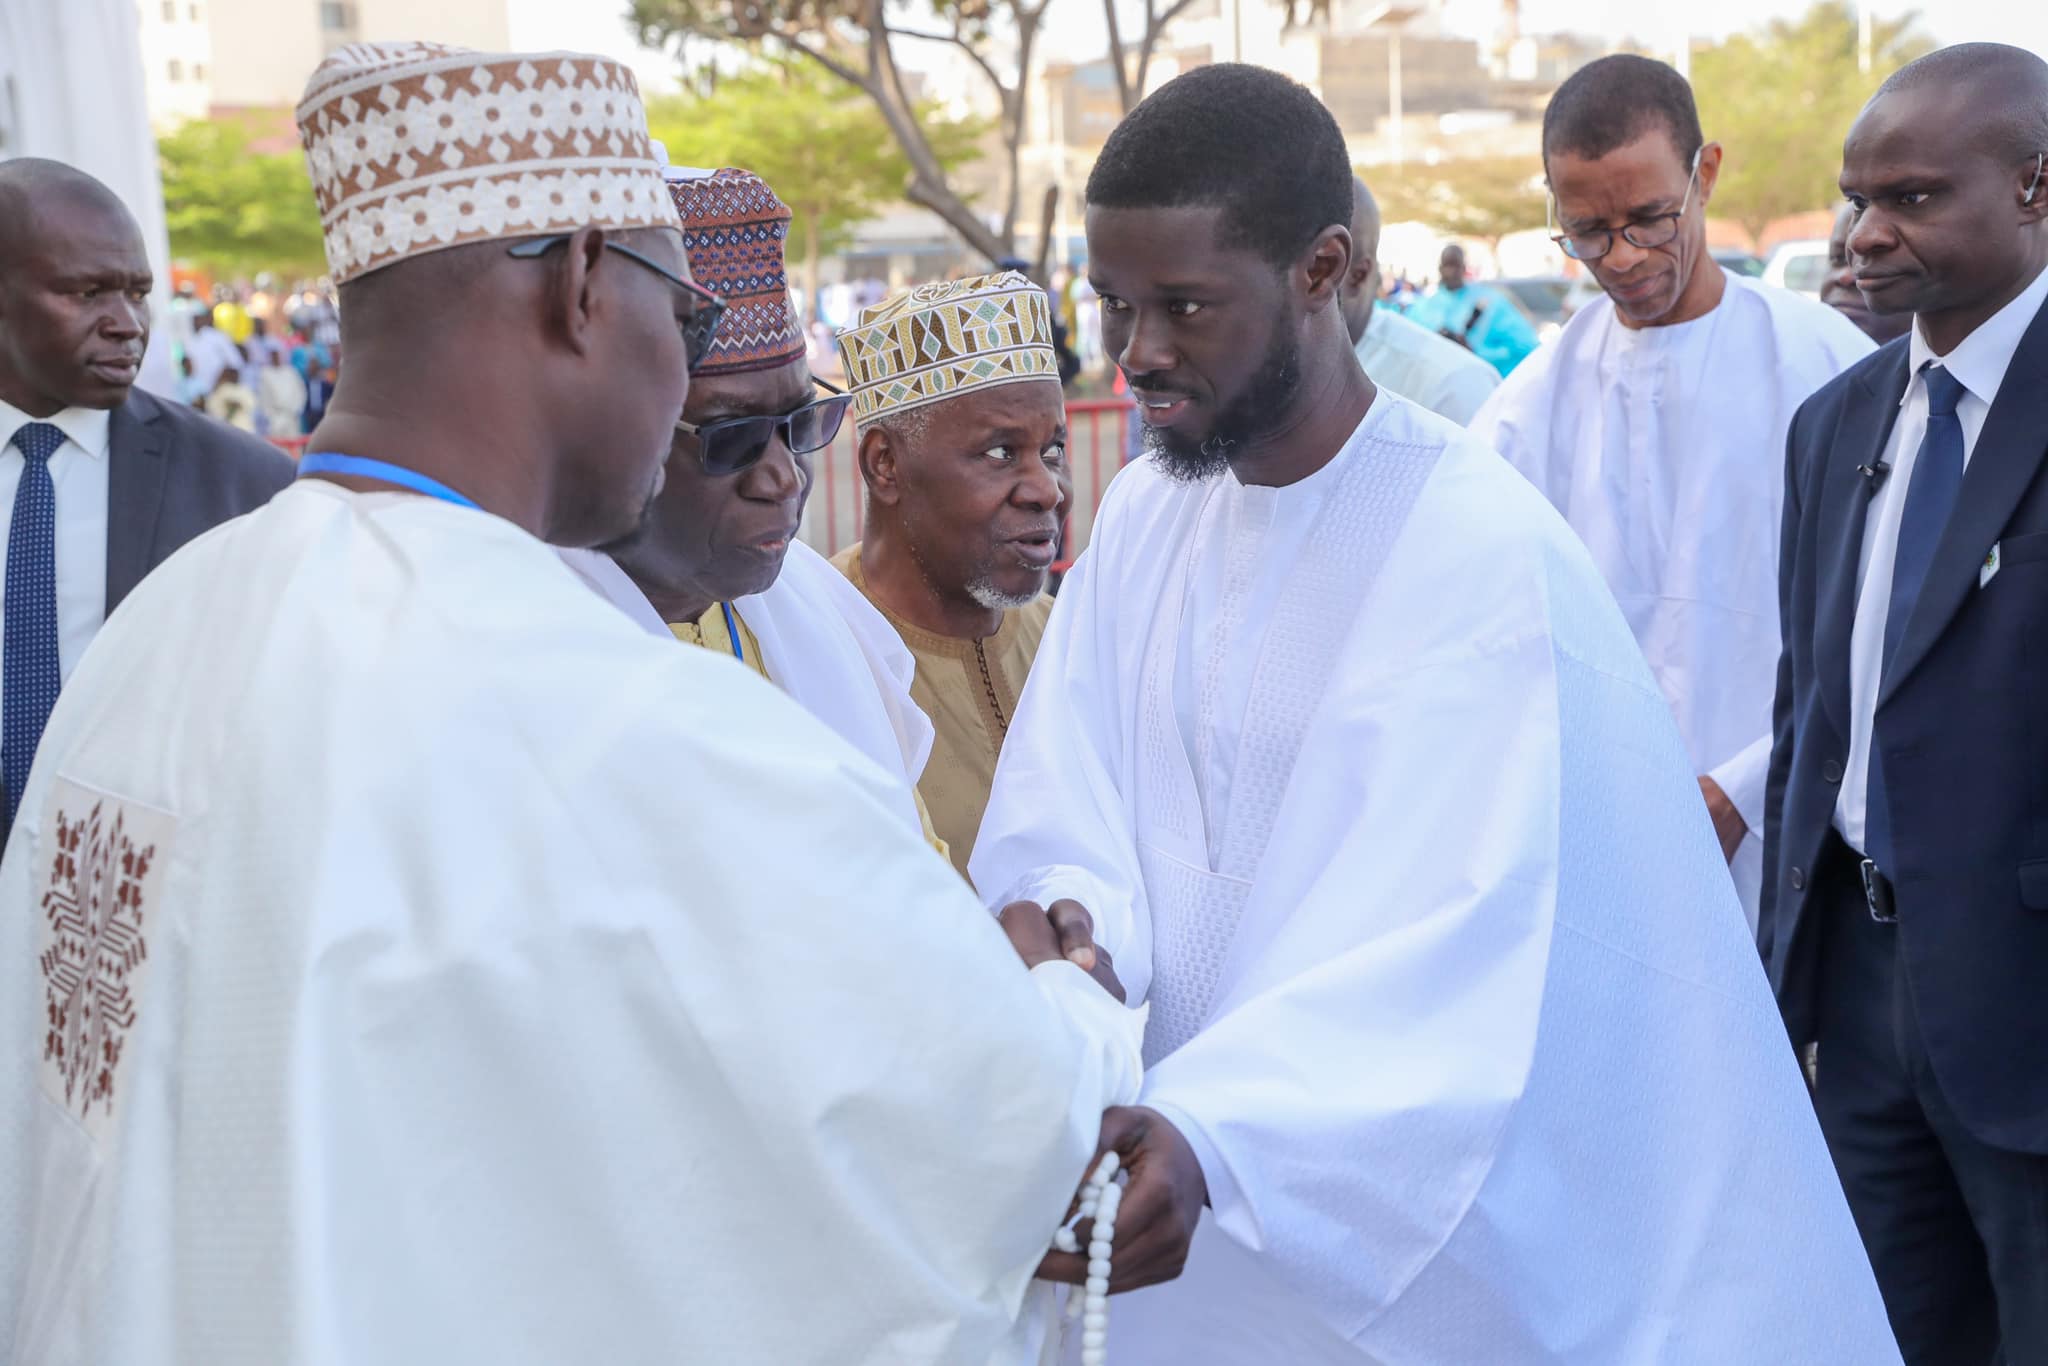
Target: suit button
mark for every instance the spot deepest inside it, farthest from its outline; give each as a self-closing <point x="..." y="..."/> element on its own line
<point x="1832" y="771"/>
<point x="1798" y="879"/>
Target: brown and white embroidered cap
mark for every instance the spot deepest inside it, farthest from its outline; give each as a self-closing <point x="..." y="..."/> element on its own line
<point x="417" y="147"/>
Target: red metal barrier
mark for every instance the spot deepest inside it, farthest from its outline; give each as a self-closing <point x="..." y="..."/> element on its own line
<point x="1096" y="432"/>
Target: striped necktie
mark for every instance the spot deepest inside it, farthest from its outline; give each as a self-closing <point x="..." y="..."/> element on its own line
<point x="31" y="674"/>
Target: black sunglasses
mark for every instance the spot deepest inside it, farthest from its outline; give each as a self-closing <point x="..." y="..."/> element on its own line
<point x="736" y="443"/>
<point x="706" y="308"/>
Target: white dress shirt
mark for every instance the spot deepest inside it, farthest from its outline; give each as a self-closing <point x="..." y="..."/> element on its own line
<point x="78" y="472"/>
<point x="1980" y="361"/>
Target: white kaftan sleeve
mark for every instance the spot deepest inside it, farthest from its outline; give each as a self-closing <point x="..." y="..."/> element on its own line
<point x="1057" y="825"/>
<point x="730" y="1031"/>
<point x="1463" y="391"/>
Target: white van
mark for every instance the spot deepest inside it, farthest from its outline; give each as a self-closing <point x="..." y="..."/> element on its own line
<point x="1801" y="267"/>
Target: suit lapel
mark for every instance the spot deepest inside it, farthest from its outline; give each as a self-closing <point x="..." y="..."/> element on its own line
<point x="2002" y="467"/>
<point x="138" y="449"/>
<point x="1859" y="441"/>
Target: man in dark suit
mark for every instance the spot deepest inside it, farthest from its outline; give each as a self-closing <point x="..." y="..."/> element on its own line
<point x="1905" y="912"/>
<point x="99" y="482"/>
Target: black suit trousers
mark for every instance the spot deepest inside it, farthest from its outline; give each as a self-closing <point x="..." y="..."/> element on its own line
<point x="1957" y="1230"/>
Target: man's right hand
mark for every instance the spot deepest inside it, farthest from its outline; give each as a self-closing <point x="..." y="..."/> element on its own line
<point x="1065" y="931"/>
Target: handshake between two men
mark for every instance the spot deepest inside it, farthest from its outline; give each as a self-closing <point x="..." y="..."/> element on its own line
<point x="1164" y="1199"/>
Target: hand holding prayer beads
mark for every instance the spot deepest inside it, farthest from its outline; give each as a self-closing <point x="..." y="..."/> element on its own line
<point x="1101" y="1197"/>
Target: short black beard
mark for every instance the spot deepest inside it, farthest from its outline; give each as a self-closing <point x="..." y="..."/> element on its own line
<point x="1255" y="413"/>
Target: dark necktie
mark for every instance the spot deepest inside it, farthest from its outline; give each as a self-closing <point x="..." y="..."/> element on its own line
<point x="29" y="670"/>
<point x="1937" y="478"/>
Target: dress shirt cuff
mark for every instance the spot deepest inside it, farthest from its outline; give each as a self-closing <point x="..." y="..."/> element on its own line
<point x="1743" y="777"/>
<point x="1225" y="1196"/>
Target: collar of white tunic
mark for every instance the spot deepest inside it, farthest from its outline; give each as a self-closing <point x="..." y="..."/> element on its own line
<point x="1981" y="359"/>
<point x="85" y="428"/>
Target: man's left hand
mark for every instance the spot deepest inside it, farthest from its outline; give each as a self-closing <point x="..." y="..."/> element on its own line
<point x="1729" y="827"/>
<point x="1161" y="1205"/>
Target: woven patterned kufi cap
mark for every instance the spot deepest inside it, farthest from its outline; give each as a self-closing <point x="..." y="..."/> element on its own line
<point x="416" y="147"/>
<point x="734" y="228"/>
<point x="939" y="341"/>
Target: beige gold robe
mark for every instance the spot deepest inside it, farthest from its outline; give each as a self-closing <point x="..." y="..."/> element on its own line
<point x="969" y="689"/>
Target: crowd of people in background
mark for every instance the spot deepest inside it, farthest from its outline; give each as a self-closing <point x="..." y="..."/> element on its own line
<point x="261" y="365"/>
<point x="1522" y="851"/>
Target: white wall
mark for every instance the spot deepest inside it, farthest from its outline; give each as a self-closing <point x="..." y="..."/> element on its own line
<point x="71" y="83"/>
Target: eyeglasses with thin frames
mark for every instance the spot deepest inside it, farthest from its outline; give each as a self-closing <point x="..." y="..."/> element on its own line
<point x="706" y="308"/>
<point x="1655" y="231"/>
<point x="732" y="444"/>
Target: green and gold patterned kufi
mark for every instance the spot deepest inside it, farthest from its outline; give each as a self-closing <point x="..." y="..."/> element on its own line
<point x="940" y="341"/>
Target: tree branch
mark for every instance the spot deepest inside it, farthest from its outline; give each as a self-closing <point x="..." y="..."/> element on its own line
<point x="1116" y="55"/>
<point x="831" y="64"/>
<point x="957" y="40"/>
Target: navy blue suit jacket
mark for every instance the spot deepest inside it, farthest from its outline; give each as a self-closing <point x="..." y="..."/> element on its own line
<point x="1962" y="722"/>
<point x="174" y="474"/>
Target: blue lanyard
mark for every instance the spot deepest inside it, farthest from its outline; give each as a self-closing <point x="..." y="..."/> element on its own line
<point x="327" y="462"/>
<point x="732" y="632"/>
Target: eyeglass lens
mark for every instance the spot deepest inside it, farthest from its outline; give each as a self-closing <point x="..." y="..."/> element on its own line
<point x="731" y="447"/>
<point x="1592" y="246"/>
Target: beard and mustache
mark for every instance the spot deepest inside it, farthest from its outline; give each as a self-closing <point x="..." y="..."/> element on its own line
<point x="1255" y="413"/>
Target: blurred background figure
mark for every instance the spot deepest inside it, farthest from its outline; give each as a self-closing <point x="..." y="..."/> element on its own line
<point x="1398" y="354"/>
<point x="232" y="401"/>
<point x="1477" y="317"/>
<point x="280" y="396"/>
<point x="1840" y="292"/>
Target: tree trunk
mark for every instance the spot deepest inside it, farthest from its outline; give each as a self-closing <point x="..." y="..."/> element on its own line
<point x="1042" y="276"/>
<point x="1125" y="99"/>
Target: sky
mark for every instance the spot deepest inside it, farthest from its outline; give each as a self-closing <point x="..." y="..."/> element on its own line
<point x="2023" y="23"/>
<point x="598" y="25"/>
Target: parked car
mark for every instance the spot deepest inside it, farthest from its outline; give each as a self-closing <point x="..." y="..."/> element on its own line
<point x="1801" y="267"/>
<point x="1541" y="299"/>
<point x="1739" y="261"/>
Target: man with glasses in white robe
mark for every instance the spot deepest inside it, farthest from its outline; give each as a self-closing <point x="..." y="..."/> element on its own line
<point x="1656" y="423"/>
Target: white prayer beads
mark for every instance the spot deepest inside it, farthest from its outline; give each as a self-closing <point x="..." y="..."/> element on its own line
<point x="1100" y="1199"/>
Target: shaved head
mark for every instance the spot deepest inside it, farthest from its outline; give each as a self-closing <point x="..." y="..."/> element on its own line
<point x="1944" y="172"/>
<point x="1362" y="282"/>
<point x="2007" y="88"/>
<point x="1365" y="218"/>
<point x="39" y="196"/>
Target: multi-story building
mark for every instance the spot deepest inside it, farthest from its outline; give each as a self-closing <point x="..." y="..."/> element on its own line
<point x="177" y="59"/>
<point x="206" y="57"/>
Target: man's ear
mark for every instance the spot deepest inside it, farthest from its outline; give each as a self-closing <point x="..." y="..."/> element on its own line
<point x="1326" y="266"/>
<point x="572" y="303"/>
<point x="879" y="470"/>
<point x="1710" y="170"/>
<point x="2033" y="189"/>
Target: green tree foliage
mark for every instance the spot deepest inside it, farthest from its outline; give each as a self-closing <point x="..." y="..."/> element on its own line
<point x="1479" y="197"/>
<point x="1780" y="100"/>
<point x="856" y="41"/>
<point x="234" y="210"/>
<point x="821" y="145"/>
